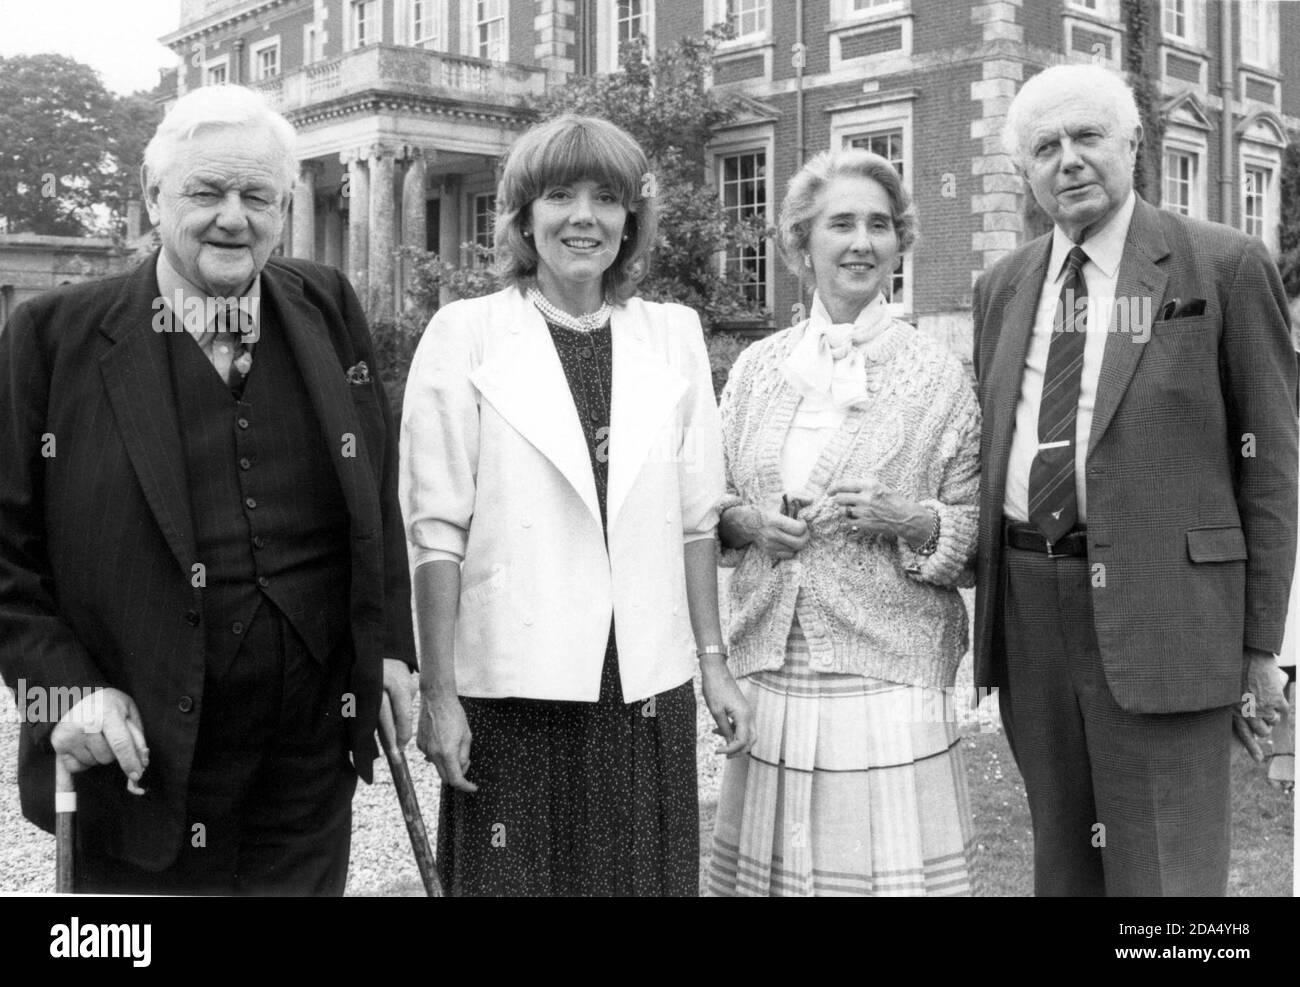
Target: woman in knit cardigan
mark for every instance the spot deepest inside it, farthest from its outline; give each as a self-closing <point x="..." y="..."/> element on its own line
<point x="852" y="445"/>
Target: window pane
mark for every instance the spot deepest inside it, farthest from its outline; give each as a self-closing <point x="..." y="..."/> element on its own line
<point x="744" y="194"/>
<point x="889" y="145"/>
<point x="747" y="16"/>
<point x="491" y="29"/>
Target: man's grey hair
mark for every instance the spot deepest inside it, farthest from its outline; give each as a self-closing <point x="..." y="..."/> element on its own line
<point x="1098" y="82"/>
<point x="212" y="107"/>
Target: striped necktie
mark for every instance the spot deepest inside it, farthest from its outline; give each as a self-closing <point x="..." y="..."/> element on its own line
<point x="1053" y="500"/>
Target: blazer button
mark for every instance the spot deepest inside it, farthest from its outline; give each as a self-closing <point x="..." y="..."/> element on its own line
<point x="242" y="422"/>
<point x="192" y="618"/>
<point x="237" y="627"/>
<point x="186" y="704"/>
<point x="250" y="503"/>
<point x="263" y="582"/>
<point x="528" y="620"/>
<point x="527" y="522"/>
<point x="259" y="541"/>
<point x="245" y="463"/>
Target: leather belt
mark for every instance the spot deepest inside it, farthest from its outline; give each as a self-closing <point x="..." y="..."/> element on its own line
<point x="1024" y="536"/>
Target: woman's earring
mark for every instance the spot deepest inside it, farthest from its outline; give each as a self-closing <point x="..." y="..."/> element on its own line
<point x="807" y="261"/>
<point x="624" y="237"/>
<point x="528" y="232"/>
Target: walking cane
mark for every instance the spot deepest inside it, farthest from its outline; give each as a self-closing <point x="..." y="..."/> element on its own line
<point x="65" y="819"/>
<point x="410" y="805"/>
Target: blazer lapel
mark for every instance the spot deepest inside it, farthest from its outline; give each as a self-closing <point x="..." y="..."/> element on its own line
<point x="1008" y="366"/>
<point x="137" y="378"/>
<point x="646" y="390"/>
<point x="318" y="362"/>
<point x="524" y="382"/>
<point x="1140" y="278"/>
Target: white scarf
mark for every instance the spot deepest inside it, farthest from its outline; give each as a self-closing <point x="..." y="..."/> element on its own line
<point x="827" y="365"/>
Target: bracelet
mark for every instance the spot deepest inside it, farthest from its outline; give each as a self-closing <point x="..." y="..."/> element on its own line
<point x="931" y="543"/>
<point x="712" y="649"/>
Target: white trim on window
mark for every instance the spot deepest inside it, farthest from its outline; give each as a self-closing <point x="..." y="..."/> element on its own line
<point x="313" y="42"/>
<point x="1258" y="29"/>
<point x="1185" y="193"/>
<point x="1108" y="55"/>
<point x="431" y="26"/>
<point x="257" y="70"/>
<point x="372" y="12"/>
<point x="1104" y="9"/>
<point x="216" y="71"/>
<point x="754" y="20"/>
<point x="472" y="42"/>
<point x="884" y="118"/>
<point x="750" y="139"/>
<point x="855" y="10"/>
<point x="607" y="31"/>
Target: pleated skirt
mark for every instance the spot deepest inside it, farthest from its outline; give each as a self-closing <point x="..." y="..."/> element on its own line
<point x="855" y="786"/>
<point x="576" y="799"/>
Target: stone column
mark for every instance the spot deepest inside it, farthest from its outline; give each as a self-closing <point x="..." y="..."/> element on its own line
<point x="304" y="211"/>
<point x="333" y="236"/>
<point x="357" y="192"/>
<point x="449" y="229"/>
<point x="383" y="232"/>
<point x="414" y="232"/>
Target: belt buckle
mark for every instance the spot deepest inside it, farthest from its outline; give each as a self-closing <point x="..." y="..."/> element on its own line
<point x="1050" y="553"/>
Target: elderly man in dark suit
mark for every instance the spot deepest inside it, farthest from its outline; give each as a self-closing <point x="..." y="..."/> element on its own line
<point x="201" y="554"/>
<point x="1138" y="504"/>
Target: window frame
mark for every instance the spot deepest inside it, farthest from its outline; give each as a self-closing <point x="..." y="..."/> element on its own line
<point x="473" y="212"/>
<point x="377" y="36"/>
<point x="749" y="138"/>
<point x="896" y="114"/>
<point x="255" y="50"/>
<point x="221" y="62"/>
<point x="437" y="15"/>
<point x="475" y="25"/>
<point x="607" y="42"/>
<point x="1269" y="57"/>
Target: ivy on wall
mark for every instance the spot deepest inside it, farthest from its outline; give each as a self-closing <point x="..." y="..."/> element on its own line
<point x="1139" y="53"/>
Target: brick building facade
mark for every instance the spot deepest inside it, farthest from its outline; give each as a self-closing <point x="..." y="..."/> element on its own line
<point x="404" y="107"/>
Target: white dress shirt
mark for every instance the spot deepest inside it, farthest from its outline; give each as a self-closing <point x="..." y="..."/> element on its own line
<point x="1105" y="249"/>
<point x="196" y="311"/>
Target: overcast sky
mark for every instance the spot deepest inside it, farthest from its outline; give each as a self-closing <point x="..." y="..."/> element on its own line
<point x="119" y="38"/>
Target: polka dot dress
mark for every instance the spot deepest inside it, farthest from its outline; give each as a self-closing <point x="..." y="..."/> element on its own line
<point x="578" y="798"/>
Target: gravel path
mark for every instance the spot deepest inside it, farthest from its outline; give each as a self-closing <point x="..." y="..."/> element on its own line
<point x="381" y="862"/>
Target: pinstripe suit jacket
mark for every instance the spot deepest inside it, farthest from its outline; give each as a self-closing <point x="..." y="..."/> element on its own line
<point x="96" y="538"/>
<point x="1191" y="463"/>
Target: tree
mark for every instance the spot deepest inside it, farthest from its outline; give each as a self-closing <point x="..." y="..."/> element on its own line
<point x="666" y="104"/>
<point x="1289" y="239"/>
<point x="71" y="149"/>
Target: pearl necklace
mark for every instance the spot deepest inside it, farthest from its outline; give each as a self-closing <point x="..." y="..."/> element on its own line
<point x="578" y="323"/>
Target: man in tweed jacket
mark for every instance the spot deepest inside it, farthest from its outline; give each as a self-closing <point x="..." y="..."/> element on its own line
<point x="1138" y="504"/>
<point x="201" y="554"/>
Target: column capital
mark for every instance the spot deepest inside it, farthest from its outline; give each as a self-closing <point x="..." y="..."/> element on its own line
<point x="314" y="169"/>
<point x="414" y="152"/>
<point x="380" y="150"/>
<point x="352" y="155"/>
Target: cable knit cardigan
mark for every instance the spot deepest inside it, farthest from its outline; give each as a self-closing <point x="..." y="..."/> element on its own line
<point x="860" y="610"/>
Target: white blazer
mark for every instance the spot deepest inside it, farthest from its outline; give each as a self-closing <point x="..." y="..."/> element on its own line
<point x="496" y="472"/>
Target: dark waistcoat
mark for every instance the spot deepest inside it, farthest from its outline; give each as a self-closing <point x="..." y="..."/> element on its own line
<point x="270" y="521"/>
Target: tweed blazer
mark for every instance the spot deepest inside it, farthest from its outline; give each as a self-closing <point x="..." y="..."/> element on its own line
<point x="97" y="543"/>
<point x="496" y="471"/>
<point x="1191" y="461"/>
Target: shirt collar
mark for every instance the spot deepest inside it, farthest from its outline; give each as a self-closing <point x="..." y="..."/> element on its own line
<point x="176" y="289"/>
<point x="1105" y="247"/>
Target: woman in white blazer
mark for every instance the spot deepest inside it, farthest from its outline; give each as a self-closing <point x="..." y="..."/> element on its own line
<point x="561" y="469"/>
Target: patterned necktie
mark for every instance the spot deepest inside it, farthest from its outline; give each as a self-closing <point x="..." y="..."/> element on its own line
<point x="1053" y="500"/>
<point x="226" y="348"/>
